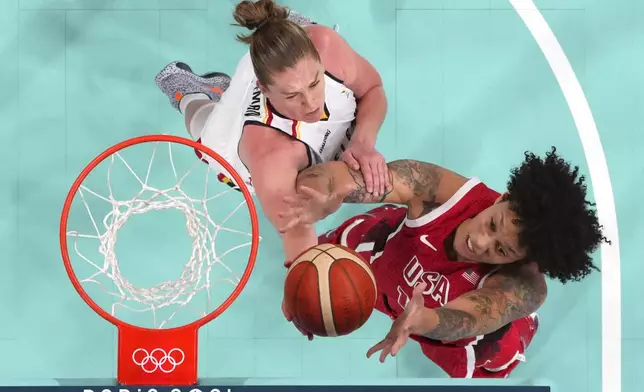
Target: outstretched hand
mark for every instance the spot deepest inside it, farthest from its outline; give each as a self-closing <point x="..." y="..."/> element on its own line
<point x="308" y="207"/>
<point x="402" y="326"/>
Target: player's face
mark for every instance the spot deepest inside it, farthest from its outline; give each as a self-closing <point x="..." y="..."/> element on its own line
<point x="490" y="237"/>
<point x="298" y="92"/>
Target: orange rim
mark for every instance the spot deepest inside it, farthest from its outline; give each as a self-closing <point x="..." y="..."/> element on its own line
<point x="171" y="139"/>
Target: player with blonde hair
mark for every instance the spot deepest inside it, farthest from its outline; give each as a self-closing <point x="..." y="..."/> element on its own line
<point x="299" y="97"/>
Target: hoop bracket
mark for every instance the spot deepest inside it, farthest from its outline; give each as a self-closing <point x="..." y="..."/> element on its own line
<point x="170" y="356"/>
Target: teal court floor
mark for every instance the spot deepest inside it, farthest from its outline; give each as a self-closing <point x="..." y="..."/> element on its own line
<point x="471" y="84"/>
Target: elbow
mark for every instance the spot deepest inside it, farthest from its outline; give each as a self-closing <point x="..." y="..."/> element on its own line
<point x="318" y="177"/>
<point x="310" y="173"/>
<point x="375" y="93"/>
<point x="538" y="293"/>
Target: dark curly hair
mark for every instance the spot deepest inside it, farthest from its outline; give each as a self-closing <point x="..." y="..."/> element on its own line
<point x="558" y="228"/>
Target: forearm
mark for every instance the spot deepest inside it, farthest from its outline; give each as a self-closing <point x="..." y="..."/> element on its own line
<point x="448" y="324"/>
<point x="339" y="180"/>
<point x="297" y="240"/>
<point x="372" y="109"/>
<point x="420" y="185"/>
<point x="271" y="191"/>
<point x="505" y="299"/>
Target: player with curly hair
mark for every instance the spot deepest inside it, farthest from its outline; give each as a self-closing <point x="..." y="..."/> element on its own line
<point x="460" y="267"/>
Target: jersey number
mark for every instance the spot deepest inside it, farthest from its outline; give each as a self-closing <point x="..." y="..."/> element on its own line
<point x="413" y="274"/>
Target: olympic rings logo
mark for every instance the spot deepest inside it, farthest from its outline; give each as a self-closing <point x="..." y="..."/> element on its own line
<point x="158" y="359"/>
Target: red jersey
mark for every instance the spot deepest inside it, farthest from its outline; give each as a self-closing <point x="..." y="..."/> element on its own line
<point x="404" y="252"/>
<point x="416" y="252"/>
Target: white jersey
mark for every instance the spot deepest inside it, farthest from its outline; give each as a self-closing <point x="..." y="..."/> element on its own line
<point x="243" y="104"/>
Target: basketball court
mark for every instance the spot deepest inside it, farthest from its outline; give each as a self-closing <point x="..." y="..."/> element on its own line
<point x="471" y="85"/>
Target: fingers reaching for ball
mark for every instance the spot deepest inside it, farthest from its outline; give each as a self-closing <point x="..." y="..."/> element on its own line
<point x="287" y="314"/>
<point x="289" y="318"/>
<point x="382" y="345"/>
<point x="389" y="346"/>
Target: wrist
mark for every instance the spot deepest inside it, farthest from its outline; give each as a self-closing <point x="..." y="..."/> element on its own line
<point x="297" y="240"/>
<point x="364" y="138"/>
<point x="333" y="206"/>
<point x="425" y="322"/>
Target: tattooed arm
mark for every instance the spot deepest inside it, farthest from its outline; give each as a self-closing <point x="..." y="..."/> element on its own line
<point x="419" y="185"/>
<point x="511" y="293"/>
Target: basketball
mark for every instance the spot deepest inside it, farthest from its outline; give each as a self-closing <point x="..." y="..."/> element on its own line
<point x="330" y="290"/>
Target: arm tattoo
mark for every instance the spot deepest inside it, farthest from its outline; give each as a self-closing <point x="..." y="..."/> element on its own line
<point x="524" y="292"/>
<point x="359" y="194"/>
<point x="455" y="324"/>
<point x="452" y="324"/>
<point x="318" y="175"/>
<point x="508" y="296"/>
<point x="422" y="179"/>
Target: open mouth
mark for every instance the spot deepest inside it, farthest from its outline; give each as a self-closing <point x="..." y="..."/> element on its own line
<point x="468" y="242"/>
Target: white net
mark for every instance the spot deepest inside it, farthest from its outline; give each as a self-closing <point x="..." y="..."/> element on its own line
<point x="209" y="210"/>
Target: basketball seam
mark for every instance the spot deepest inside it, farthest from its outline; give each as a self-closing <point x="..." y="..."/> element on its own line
<point x="364" y="265"/>
<point x="355" y="290"/>
<point x="297" y="289"/>
<point x="326" y="250"/>
<point x="323" y="251"/>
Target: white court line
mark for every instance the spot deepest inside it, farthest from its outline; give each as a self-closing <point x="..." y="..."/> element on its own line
<point x="600" y="178"/>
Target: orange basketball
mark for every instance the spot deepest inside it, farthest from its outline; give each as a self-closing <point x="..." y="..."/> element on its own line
<point x="330" y="290"/>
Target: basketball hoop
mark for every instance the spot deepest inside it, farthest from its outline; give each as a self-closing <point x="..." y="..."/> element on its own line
<point x="159" y="355"/>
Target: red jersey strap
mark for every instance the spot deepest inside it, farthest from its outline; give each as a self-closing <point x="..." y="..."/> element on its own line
<point x="472" y="195"/>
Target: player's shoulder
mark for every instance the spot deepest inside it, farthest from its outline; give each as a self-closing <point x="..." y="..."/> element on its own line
<point x="522" y="279"/>
<point x="262" y="146"/>
<point x="323" y="37"/>
<point x="477" y="189"/>
<point x="469" y="198"/>
<point x="335" y="53"/>
<point x="472" y="191"/>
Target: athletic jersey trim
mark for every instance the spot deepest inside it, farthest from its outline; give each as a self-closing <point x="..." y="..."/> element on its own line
<point x="271" y="108"/>
<point x="272" y="111"/>
<point x="484" y="278"/>
<point x="329" y="74"/>
<point x="434" y="214"/>
<point x="261" y="124"/>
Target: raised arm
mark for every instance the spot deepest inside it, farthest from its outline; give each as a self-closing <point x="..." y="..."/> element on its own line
<point x="341" y="60"/>
<point x="421" y="186"/>
<point x="511" y="293"/>
<point x="274" y="162"/>
<point x="359" y="75"/>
